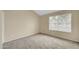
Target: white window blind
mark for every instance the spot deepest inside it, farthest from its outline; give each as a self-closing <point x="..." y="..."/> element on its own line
<point x="60" y="23"/>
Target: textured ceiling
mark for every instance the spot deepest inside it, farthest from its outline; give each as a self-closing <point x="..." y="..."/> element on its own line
<point x="44" y="12"/>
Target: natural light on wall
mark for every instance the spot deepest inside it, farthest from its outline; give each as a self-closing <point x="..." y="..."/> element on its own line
<point x="60" y="23"/>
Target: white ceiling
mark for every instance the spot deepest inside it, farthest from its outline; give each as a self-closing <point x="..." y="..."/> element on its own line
<point x="44" y="12"/>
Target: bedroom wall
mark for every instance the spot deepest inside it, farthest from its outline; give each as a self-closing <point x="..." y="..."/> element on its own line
<point x="20" y="24"/>
<point x="74" y="35"/>
<point x="1" y="28"/>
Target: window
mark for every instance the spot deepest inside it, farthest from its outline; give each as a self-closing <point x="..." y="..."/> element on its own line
<point x="60" y="23"/>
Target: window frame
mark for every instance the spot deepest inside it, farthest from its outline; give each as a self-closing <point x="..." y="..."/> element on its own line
<point x="59" y="30"/>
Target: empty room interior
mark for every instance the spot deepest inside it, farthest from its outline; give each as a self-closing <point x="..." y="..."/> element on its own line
<point x="39" y="29"/>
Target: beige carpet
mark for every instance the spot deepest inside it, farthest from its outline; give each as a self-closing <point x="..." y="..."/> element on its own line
<point x="40" y="41"/>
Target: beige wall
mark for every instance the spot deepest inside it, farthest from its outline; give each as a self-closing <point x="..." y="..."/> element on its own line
<point x="1" y="28"/>
<point x="74" y="35"/>
<point x="20" y="24"/>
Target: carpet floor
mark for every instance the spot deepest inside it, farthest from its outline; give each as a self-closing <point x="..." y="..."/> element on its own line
<point x="40" y="41"/>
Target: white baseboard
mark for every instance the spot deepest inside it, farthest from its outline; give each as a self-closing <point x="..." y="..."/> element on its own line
<point x="21" y="37"/>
